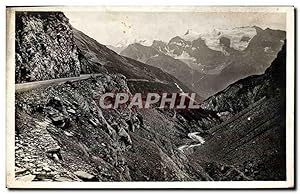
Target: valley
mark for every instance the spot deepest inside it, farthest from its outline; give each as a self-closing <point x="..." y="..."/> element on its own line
<point x="62" y="134"/>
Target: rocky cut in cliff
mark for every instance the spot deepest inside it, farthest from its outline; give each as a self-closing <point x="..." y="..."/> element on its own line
<point x="44" y="47"/>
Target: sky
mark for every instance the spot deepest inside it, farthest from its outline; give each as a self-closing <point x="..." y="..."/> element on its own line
<point x="111" y="28"/>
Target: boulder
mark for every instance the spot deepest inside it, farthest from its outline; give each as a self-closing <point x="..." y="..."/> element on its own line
<point x="84" y="175"/>
<point x="124" y="136"/>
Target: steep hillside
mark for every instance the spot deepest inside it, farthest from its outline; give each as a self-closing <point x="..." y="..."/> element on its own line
<point x="174" y="67"/>
<point x="253" y="141"/>
<point x="45" y="47"/>
<point x="62" y="134"/>
<point x="253" y="134"/>
<point x="97" y="58"/>
<point x="247" y="91"/>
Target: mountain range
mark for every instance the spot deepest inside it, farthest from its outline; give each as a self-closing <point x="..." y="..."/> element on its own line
<point x="207" y="63"/>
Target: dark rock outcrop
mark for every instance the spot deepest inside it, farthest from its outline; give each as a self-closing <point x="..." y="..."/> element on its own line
<point x="45" y="47"/>
<point x="224" y="41"/>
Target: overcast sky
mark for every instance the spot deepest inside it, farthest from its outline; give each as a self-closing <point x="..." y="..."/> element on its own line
<point x="110" y="28"/>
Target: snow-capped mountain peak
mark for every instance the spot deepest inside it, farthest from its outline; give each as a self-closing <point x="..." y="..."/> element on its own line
<point x="125" y="42"/>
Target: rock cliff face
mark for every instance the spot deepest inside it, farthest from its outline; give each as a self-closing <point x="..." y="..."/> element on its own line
<point x="45" y="47"/>
<point x="62" y="134"/>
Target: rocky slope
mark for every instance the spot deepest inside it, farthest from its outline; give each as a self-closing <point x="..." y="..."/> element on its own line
<point x="253" y="134"/>
<point x="253" y="141"/>
<point x="45" y="47"/>
<point x="61" y="130"/>
<point x="249" y="90"/>
<point x="62" y="134"/>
